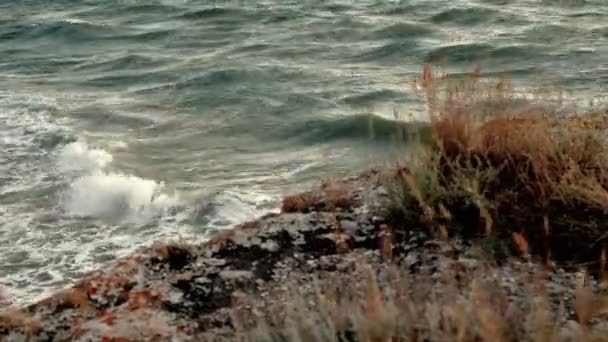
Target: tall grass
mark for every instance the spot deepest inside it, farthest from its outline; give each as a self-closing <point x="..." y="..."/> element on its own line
<point x="400" y="308"/>
<point x="497" y="168"/>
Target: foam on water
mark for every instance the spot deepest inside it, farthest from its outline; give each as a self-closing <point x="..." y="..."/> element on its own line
<point x="100" y="213"/>
<point x="110" y="196"/>
<point x="226" y="208"/>
<point x="78" y="156"/>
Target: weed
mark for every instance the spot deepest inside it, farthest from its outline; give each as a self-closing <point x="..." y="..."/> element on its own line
<point x="494" y="168"/>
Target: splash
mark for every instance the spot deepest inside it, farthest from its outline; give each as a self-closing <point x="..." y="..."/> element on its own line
<point x="109" y="196"/>
<point x="78" y="156"/>
<point x="115" y="196"/>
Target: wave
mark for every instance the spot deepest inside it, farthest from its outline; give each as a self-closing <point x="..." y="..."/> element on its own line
<point x="140" y="8"/>
<point x="372" y="97"/>
<point x="105" y="195"/>
<point x="38" y="65"/>
<point x="131" y="77"/>
<point x="77" y="156"/>
<point x="406" y="8"/>
<point x="223" y="209"/>
<point x="276" y="17"/>
<point x="233" y="15"/>
<point x="603" y="31"/>
<point x="459" y="53"/>
<point x="141" y="37"/>
<point x="522" y="52"/>
<point x="464" y="16"/>
<point x="219" y="77"/>
<point x="342" y="30"/>
<point x="67" y="31"/>
<point x="586" y="14"/>
<point x="550" y="34"/>
<point x="252" y="47"/>
<point x="476" y="52"/>
<point x="393" y="51"/>
<point x="116" y="197"/>
<point x="336" y="7"/>
<point x="104" y="114"/>
<point x="214" y="12"/>
<point x="130" y="61"/>
<point x="259" y="76"/>
<point x="356" y="127"/>
<point x="400" y="30"/>
<point x="498" y="2"/>
<point x="26" y="123"/>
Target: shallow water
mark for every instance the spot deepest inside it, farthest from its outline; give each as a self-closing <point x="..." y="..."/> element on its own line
<point x="124" y="121"/>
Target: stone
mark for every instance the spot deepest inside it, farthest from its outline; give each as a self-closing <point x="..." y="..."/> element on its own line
<point x="235" y="274"/>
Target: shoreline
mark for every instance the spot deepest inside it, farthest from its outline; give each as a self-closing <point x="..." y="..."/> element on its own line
<point x="332" y="237"/>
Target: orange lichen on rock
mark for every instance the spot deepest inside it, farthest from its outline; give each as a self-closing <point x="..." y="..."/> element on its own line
<point x="142" y="298"/>
<point x="328" y="199"/>
<point x="77" y="297"/>
<point x="221" y="239"/>
<point x="107" y="318"/>
<point x="101" y="283"/>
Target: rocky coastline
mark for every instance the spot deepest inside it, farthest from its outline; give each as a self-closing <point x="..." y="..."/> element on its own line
<point x="335" y="237"/>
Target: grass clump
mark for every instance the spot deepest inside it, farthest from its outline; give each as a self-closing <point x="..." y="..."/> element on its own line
<point x="499" y="168"/>
<point x="395" y="306"/>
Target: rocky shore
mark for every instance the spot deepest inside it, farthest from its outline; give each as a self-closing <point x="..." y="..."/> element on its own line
<point x="335" y="239"/>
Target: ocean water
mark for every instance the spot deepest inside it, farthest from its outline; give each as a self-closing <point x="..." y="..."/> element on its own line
<point x="128" y="121"/>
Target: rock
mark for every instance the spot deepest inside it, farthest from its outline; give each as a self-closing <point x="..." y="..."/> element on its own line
<point x="350" y="227"/>
<point x="255" y="269"/>
<point x="570" y="332"/>
<point x="411" y="261"/>
<point x="469" y="263"/>
<point x="236" y="275"/>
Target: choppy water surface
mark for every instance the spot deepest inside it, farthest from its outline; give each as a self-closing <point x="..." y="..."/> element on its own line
<point x="123" y="122"/>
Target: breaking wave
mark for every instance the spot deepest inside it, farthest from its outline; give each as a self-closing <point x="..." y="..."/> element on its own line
<point x="109" y="196"/>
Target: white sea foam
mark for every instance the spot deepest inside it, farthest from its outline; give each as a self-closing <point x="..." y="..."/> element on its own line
<point x="118" y="145"/>
<point x="110" y="196"/>
<point x="75" y="21"/>
<point x="78" y="156"/>
<point x="234" y="207"/>
<point x="115" y="196"/>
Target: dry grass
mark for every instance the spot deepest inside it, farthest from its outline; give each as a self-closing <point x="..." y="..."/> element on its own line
<point x="524" y="179"/>
<point x="498" y="168"/>
<point x="397" y="308"/>
<point x="299" y="203"/>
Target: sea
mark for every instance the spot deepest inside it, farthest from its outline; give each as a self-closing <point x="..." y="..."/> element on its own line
<point x="124" y="122"/>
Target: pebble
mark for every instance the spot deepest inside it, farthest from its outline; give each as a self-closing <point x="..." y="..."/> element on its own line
<point x="233" y="275"/>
